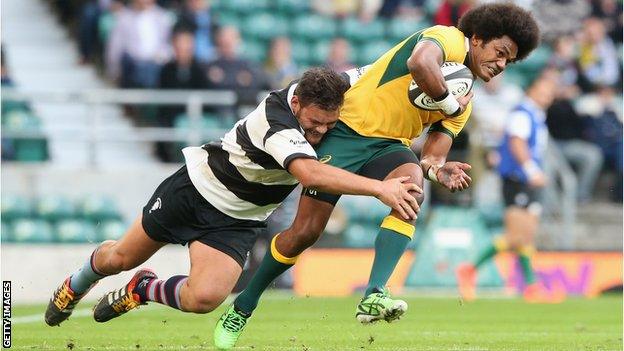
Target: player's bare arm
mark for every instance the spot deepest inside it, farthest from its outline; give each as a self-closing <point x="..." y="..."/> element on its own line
<point x="520" y="151"/>
<point x="392" y="192"/>
<point x="424" y="66"/>
<point x="452" y="175"/>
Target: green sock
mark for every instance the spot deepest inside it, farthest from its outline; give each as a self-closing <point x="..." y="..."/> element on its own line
<point x="527" y="270"/>
<point x="389" y="247"/>
<point x="485" y="255"/>
<point x="269" y="269"/>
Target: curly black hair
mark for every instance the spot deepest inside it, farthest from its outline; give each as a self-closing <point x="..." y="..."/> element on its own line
<point x="492" y="21"/>
<point x="323" y="87"/>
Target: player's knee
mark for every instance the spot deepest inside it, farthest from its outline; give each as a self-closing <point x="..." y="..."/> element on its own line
<point x="306" y="235"/>
<point x="420" y="197"/>
<point x="204" y="301"/>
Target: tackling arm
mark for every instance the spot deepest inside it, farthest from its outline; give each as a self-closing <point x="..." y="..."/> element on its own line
<point x="393" y="192"/>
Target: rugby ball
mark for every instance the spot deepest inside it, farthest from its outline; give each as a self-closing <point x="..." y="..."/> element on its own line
<point x="459" y="80"/>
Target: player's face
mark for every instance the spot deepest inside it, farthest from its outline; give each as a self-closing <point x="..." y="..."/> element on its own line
<point x="489" y="59"/>
<point x="315" y="121"/>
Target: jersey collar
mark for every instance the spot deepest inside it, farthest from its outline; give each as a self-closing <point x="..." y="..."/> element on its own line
<point x="291" y="92"/>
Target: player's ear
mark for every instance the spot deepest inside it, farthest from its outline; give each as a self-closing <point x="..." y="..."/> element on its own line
<point x="476" y="41"/>
<point x="294" y="103"/>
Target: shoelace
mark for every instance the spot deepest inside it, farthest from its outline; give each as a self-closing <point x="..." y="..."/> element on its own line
<point x="234" y="322"/>
<point x="125" y="304"/>
<point x="63" y="298"/>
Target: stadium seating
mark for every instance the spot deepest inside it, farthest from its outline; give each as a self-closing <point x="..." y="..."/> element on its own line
<point x="319" y="52"/>
<point x="31" y="231"/>
<point x="110" y="230"/>
<point x="5" y="232"/>
<point x="398" y="29"/>
<point x="75" y="231"/>
<point x="54" y="208"/>
<point x="15" y="207"/>
<point x="450" y="236"/>
<point x="254" y="50"/>
<point x="19" y="119"/>
<point x="98" y="208"/>
<point x="370" y="52"/>
<point x="360" y="236"/>
<point x="313" y="27"/>
<point x="264" y="26"/>
<point x="357" y="31"/>
<point x="57" y="218"/>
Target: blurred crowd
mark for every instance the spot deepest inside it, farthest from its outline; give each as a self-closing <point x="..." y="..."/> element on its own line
<point x="188" y="44"/>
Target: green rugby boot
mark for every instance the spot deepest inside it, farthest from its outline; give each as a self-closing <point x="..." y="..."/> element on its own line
<point x="379" y="306"/>
<point x="229" y="328"/>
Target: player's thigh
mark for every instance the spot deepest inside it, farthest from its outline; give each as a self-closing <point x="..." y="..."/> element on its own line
<point x="520" y="226"/>
<point x="396" y="162"/>
<point x="522" y="213"/>
<point x="213" y="274"/>
<point x="134" y="248"/>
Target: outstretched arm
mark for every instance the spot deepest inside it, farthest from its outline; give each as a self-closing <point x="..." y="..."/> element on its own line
<point x="451" y="175"/>
<point x="392" y="192"/>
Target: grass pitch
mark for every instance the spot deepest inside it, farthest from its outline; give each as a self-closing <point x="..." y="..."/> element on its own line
<point x="307" y="324"/>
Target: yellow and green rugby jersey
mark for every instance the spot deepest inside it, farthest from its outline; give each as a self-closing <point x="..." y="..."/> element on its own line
<point x="377" y="104"/>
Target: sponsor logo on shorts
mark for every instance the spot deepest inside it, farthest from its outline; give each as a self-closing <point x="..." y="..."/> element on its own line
<point x="156" y="205"/>
<point x="325" y="159"/>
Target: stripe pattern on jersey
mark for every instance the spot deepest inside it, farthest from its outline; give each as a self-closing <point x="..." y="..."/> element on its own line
<point x="245" y="174"/>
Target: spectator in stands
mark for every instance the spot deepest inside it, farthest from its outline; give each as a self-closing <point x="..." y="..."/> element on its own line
<point x="4" y="70"/>
<point x="364" y="9"/>
<point x="89" y="43"/>
<point x="183" y="72"/>
<point x="606" y="131"/>
<point x="568" y="130"/>
<point x="567" y="127"/>
<point x="565" y="61"/>
<point x="8" y="150"/>
<point x="231" y="72"/>
<point x="393" y="8"/>
<point x="559" y="17"/>
<point x="139" y="45"/>
<point x="197" y="18"/>
<point x="491" y="102"/>
<point x="280" y="67"/>
<point x="598" y="58"/>
<point x="610" y="11"/>
<point x="338" y="57"/>
<point x="449" y="11"/>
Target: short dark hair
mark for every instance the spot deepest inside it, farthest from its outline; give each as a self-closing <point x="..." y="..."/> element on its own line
<point x="492" y="21"/>
<point x="323" y="87"/>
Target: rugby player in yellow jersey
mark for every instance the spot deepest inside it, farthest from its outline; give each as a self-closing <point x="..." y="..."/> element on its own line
<point x="377" y="122"/>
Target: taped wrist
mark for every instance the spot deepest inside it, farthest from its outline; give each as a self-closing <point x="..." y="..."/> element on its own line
<point x="432" y="173"/>
<point x="448" y="104"/>
<point x="531" y="169"/>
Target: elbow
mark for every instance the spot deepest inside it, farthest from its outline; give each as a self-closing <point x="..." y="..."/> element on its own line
<point x="416" y="65"/>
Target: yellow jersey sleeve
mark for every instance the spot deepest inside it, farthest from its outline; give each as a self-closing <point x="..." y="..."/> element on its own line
<point x="450" y="39"/>
<point x="452" y="125"/>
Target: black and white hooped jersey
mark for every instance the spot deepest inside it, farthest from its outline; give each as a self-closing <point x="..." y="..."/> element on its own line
<point x="244" y="176"/>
